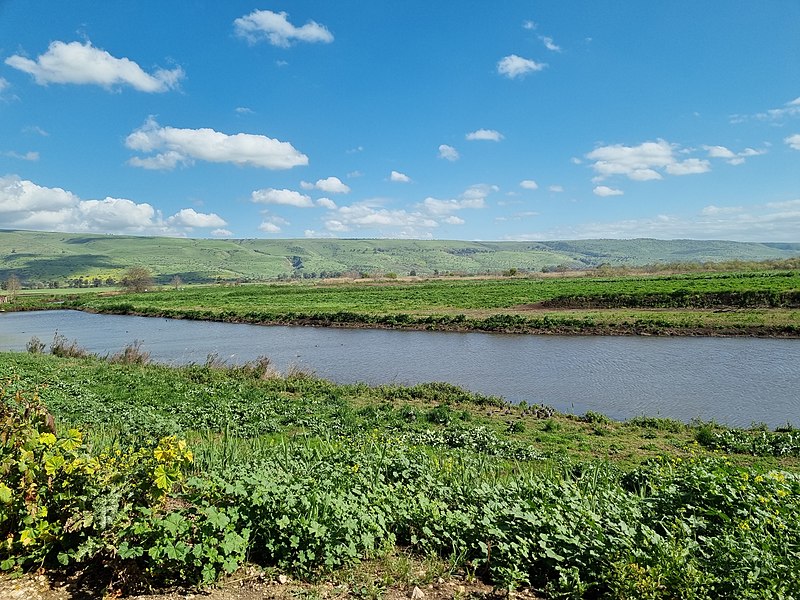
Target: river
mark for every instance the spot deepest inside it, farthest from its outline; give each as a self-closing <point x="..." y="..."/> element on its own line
<point x="736" y="381"/>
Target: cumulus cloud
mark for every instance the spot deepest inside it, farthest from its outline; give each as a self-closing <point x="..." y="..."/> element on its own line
<point x="556" y="189"/>
<point x="26" y="205"/>
<point x="329" y="185"/>
<point x="448" y="153"/>
<point x="514" y="66"/>
<point x="326" y="203"/>
<point x="175" y="146"/>
<point x="273" y="224"/>
<point x="473" y="197"/>
<point x="604" y="191"/>
<point x="283" y="197"/>
<point x="371" y="215"/>
<point x="645" y="162"/>
<point x="485" y="134"/>
<point x="731" y="157"/>
<point x="222" y="233"/>
<point x="719" y="152"/>
<point x="83" y="64"/>
<point x="269" y="227"/>
<point x="188" y="217"/>
<point x="398" y="177"/>
<point x="690" y="166"/>
<point x="793" y="141"/>
<point x="454" y="220"/>
<point x="528" y="184"/>
<point x="278" y="31"/>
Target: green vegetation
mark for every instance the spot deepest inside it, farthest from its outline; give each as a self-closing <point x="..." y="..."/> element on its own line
<point x="763" y="303"/>
<point x="161" y="474"/>
<point x="41" y="259"/>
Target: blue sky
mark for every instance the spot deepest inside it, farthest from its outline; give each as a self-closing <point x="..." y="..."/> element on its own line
<point x="513" y="120"/>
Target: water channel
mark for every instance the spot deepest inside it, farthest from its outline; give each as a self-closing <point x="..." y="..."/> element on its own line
<point x="737" y="381"/>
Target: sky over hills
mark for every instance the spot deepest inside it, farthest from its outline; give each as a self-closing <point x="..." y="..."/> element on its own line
<point x="474" y="120"/>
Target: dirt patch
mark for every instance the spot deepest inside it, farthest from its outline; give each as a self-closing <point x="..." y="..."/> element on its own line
<point x="251" y="584"/>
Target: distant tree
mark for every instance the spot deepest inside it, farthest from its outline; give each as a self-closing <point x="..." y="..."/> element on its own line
<point x="176" y="282"/>
<point x="137" y="279"/>
<point x="13" y="286"/>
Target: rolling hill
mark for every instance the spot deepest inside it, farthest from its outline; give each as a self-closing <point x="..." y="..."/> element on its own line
<point x="43" y="257"/>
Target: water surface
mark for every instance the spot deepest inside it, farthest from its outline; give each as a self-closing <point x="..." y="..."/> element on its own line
<point x="738" y="381"/>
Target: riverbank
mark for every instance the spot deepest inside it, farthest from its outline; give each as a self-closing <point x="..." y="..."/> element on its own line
<point x="201" y="466"/>
<point x="751" y="303"/>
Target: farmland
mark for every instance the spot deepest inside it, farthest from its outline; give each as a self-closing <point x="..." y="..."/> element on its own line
<point x="763" y="303"/>
<point x="158" y="474"/>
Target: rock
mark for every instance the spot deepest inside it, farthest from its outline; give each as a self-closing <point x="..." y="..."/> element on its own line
<point x="282" y="579"/>
<point x="417" y="594"/>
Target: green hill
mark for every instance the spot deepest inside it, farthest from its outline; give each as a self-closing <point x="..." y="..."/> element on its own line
<point x="41" y="257"/>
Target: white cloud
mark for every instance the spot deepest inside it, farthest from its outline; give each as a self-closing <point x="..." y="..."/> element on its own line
<point x="644" y="162"/>
<point x="278" y="31"/>
<point x="29" y="156"/>
<point x="371" y="215"/>
<point x="514" y="66"/>
<point x="331" y="185"/>
<point x="719" y="152"/>
<point x="479" y="191"/>
<point x="485" y="134"/>
<point x="550" y="44"/>
<point x="771" y="222"/>
<point x="326" y="203"/>
<point x="26" y="205"/>
<point x="789" y="109"/>
<point x="165" y="161"/>
<point x="4" y="86"/>
<point x="448" y="153"/>
<point x="398" y="177"/>
<point x="605" y="191"/>
<point x="243" y="110"/>
<point x="269" y="227"/>
<point x="83" y="64"/>
<point x="690" y="166"/>
<point x="528" y="184"/>
<point x="282" y="197"/>
<point x="188" y="217"/>
<point x="37" y="130"/>
<point x="454" y="220"/>
<point x="473" y="197"/>
<point x="182" y="146"/>
<point x="730" y="156"/>
<point x="222" y="233"/>
<point x="529" y="25"/>
<point x="556" y="189"/>
<point x="793" y="141"/>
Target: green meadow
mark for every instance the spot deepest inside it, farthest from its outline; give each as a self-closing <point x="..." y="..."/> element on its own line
<point x="154" y="475"/>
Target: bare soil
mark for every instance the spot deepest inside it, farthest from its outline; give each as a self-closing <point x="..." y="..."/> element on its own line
<point x="247" y="584"/>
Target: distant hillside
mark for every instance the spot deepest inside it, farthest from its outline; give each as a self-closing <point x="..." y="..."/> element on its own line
<point x="39" y="257"/>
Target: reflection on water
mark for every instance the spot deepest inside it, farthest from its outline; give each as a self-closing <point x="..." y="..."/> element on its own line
<point x="738" y="381"/>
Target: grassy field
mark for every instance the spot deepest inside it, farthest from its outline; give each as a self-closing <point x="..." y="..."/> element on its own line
<point x="44" y="258"/>
<point x="765" y="303"/>
<point x="157" y="475"/>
